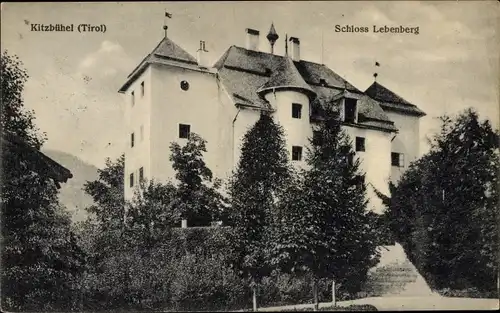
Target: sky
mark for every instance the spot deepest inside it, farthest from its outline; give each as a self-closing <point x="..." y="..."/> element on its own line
<point x="452" y="64"/>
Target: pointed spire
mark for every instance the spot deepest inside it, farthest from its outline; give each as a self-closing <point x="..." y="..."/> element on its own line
<point x="272" y="36"/>
<point x="285" y="76"/>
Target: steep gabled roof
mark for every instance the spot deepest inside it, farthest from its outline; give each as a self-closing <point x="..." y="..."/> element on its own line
<point x="391" y="101"/>
<point x="34" y="159"/>
<point x="285" y="75"/>
<point x="244" y="72"/>
<point x="166" y="50"/>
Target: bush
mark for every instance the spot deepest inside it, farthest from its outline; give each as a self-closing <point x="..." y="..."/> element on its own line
<point x="189" y="271"/>
<point x="467" y="293"/>
<point x="206" y="284"/>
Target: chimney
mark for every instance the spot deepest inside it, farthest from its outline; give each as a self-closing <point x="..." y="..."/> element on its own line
<point x="252" y="41"/>
<point x="201" y="55"/>
<point x="295" y="49"/>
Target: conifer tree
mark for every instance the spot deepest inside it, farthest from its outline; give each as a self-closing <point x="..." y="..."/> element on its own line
<point x="261" y="176"/>
<point x="444" y="210"/>
<point x="325" y="228"/>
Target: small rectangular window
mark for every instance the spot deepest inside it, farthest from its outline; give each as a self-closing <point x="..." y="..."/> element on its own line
<point x="317" y="138"/>
<point x="132" y="140"/>
<point x="296" y="110"/>
<point x="184" y="131"/>
<point x="142" y="89"/>
<point x="132" y="180"/>
<point x="141" y="174"/>
<point x="397" y="159"/>
<point x="296" y="153"/>
<point x="350" y="110"/>
<point x="360" y="144"/>
<point x="132" y="97"/>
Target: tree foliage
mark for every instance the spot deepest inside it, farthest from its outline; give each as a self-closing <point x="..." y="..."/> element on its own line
<point x="444" y="211"/>
<point x="108" y="195"/>
<point x="14" y="116"/>
<point x="324" y="226"/>
<point x="197" y="197"/>
<point x="262" y="174"/>
<point x="41" y="261"/>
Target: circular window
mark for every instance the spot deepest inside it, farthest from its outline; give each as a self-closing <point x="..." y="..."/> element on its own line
<point x="184" y="85"/>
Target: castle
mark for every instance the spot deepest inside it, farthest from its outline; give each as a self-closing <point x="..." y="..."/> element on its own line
<point x="171" y="93"/>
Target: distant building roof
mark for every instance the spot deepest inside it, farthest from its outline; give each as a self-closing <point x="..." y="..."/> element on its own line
<point x="391" y="101"/>
<point x="166" y="50"/>
<point x="245" y="72"/>
<point x="35" y="160"/>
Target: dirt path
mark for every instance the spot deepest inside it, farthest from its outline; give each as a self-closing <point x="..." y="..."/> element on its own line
<point x="407" y="303"/>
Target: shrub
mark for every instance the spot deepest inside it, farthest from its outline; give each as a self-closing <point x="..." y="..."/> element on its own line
<point x="467" y="293"/>
<point x="205" y="284"/>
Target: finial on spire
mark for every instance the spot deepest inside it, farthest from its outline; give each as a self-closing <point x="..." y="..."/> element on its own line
<point x="165" y="27"/>
<point x="272" y="36"/>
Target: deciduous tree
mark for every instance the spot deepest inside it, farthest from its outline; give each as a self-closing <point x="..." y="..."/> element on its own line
<point x="41" y="261"/>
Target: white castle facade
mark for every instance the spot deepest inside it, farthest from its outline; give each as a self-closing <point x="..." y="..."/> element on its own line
<point x="171" y="93"/>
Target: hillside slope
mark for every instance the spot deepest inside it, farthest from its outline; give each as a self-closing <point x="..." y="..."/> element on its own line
<point x="71" y="194"/>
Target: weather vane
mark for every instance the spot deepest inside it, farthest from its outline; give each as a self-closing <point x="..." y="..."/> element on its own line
<point x="165" y="27"/>
<point x="376" y="74"/>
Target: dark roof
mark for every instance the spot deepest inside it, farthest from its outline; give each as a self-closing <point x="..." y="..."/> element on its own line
<point x="165" y="50"/>
<point x="284" y="75"/>
<point x="391" y="101"/>
<point x="243" y="72"/>
<point x="35" y="160"/>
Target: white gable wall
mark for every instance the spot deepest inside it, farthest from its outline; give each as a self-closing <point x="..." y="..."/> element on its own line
<point x="407" y="141"/>
<point x="204" y="106"/>
<point x="135" y="116"/>
<point x="375" y="162"/>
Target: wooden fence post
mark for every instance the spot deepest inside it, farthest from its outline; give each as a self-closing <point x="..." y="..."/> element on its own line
<point x="254" y="296"/>
<point x="334" y="300"/>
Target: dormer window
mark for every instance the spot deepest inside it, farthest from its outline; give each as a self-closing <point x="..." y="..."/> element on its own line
<point x="350" y="110"/>
<point x="322" y="82"/>
<point x="296" y="110"/>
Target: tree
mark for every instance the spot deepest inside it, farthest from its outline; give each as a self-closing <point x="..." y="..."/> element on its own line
<point x="261" y="176"/>
<point x="152" y="213"/>
<point x="122" y="238"/>
<point x="14" y="116"/>
<point x="41" y="261"/>
<point x="444" y="211"/>
<point x="324" y="226"/>
<point x="197" y="196"/>
<point x="108" y="195"/>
